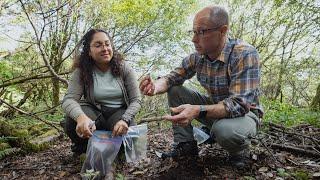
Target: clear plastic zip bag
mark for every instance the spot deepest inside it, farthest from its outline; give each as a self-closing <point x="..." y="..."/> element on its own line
<point x="135" y="143"/>
<point x="101" y="151"/>
<point x="199" y="135"/>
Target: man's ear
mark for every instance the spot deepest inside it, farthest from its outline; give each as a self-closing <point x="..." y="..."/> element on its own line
<point x="224" y="29"/>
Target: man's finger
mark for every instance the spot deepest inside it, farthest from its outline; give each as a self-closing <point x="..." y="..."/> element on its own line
<point x="147" y="89"/>
<point x="151" y="90"/>
<point x="175" y="118"/>
<point x="145" y="80"/>
<point x="176" y="109"/>
<point x="143" y="83"/>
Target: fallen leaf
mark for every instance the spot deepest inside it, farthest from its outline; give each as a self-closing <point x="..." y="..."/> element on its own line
<point x="305" y="162"/>
<point x="62" y="173"/>
<point x="316" y="175"/>
<point x="138" y="173"/>
<point x="254" y="157"/>
<point x="270" y="174"/>
<point x="263" y="169"/>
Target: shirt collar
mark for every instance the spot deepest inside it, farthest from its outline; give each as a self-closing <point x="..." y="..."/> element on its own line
<point x="224" y="53"/>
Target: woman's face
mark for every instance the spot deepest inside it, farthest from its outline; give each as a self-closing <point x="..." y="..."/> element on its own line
<point x="101" y="49"/>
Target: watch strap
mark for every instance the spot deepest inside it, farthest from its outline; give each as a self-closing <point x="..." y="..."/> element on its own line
<point x="203" y="112"/>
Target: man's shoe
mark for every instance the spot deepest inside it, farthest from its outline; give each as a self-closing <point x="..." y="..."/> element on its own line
<point x="183" y="149"/>
<point x="241" y="160"/>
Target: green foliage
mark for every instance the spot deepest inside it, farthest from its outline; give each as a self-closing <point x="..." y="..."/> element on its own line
<point x="120" y="177"/>
<point x="301" y="175"/>
<point x="7" y="152"/>
<point x="25" y="134"/>
<point x="288" y="114"/>
<point x="90" y="174"/>
<point x="5" y="148"/>
<point x="5" y="72"/>
<point x="282" y="173"/>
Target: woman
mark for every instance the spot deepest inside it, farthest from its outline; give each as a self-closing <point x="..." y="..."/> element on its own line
<point x="103" y="91"/>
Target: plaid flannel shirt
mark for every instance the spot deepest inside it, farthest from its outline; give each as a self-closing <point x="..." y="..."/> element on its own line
<point x="232" y="78"/>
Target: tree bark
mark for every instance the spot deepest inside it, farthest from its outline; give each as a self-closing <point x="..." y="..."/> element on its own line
<point x="315" y="104"/>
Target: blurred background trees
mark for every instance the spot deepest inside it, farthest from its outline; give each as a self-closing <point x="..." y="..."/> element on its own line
<point x="38" y="39"/>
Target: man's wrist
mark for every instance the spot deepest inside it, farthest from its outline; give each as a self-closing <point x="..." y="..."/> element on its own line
<point x="203" y="112"/>
<point x="126" y="120"/>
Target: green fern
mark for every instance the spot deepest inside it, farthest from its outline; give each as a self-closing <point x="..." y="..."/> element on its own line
<point x="8" y="151"/>
<point x="4" y="139"/>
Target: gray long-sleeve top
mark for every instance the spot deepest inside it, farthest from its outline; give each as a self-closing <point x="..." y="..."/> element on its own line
<point x="128" y="84"/>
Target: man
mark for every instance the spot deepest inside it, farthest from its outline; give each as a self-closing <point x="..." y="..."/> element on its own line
<point x="229" y="70"/>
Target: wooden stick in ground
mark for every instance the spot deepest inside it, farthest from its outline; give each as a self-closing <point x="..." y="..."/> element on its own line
<point x="151" y="119"/>
<point x="32" y="115"/>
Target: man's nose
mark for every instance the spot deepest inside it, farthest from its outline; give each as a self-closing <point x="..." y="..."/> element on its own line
<point x="195" y="38"/>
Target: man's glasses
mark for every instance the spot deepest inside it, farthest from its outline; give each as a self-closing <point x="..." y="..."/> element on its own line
<point x="202" y="32"/>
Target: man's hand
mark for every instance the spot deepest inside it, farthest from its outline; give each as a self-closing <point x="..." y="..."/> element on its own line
<point x="120" y="128"/>
<point x="147" y="86"/>
<point x="85" y="126"/>
<point x="184" y="114"/>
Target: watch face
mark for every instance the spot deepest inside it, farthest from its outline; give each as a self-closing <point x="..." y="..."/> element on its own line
<point x="202" y="108"/>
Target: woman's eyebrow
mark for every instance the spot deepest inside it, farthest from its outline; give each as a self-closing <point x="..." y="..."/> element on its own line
<point x="101" y="42"/>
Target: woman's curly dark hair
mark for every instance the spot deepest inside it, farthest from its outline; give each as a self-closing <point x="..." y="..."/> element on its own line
<point x="85" y="63"/>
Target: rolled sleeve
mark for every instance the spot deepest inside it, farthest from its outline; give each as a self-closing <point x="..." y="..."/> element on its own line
<point x="244" y="84"/>
<point x="185" y="71"/>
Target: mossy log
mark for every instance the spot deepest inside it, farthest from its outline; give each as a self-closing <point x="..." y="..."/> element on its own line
<point x="24" y="139"/>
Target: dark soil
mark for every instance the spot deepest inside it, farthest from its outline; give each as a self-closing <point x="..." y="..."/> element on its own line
<point x="212" y="163"/>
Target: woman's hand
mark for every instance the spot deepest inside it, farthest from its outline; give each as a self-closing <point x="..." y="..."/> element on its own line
<point x="120" y="128"/>
<point x="85" y="126"/>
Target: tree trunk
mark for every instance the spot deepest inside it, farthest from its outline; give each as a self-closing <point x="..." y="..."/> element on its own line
<point x="56" y="83"/>
<point x="55" y="92"/>
<point x="315" y="104"/>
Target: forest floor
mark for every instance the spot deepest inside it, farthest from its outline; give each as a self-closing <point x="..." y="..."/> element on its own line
<point x="57" y="162"/>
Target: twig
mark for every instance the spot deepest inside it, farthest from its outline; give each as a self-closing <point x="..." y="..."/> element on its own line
<point x="268" y="149"/>
<point x="151" y="119"/>
<point x="294" y="149"/>
<point x="297" y="134"/>
<point x="297" y="164"/>
<point x="32" y="115"/>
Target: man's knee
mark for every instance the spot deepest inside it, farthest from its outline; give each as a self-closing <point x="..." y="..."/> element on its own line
<point x="174" y="95"/>
<point x="232" y="136"/>
<point x="174" y="91"/>
<point x="226" y="134"/>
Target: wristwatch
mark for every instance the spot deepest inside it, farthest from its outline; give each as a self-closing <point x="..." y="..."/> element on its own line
<point x="203" y="112"/>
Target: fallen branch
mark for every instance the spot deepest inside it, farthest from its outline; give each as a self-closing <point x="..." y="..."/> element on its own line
<point x="316" y="141"/>
<point x="32" y="115"/>
<point x="295" y="149"/>
<point x="268" y="149"/>
<point x="151" y="119"/>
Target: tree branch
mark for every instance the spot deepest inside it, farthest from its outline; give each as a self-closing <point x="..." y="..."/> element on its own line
<point x="32" y="115"/>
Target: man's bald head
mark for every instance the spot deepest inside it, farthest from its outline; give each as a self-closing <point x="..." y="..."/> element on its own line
<point x="217" y="15"/>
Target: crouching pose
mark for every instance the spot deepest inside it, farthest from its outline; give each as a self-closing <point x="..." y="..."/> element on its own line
<point x="229" y="70"/>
